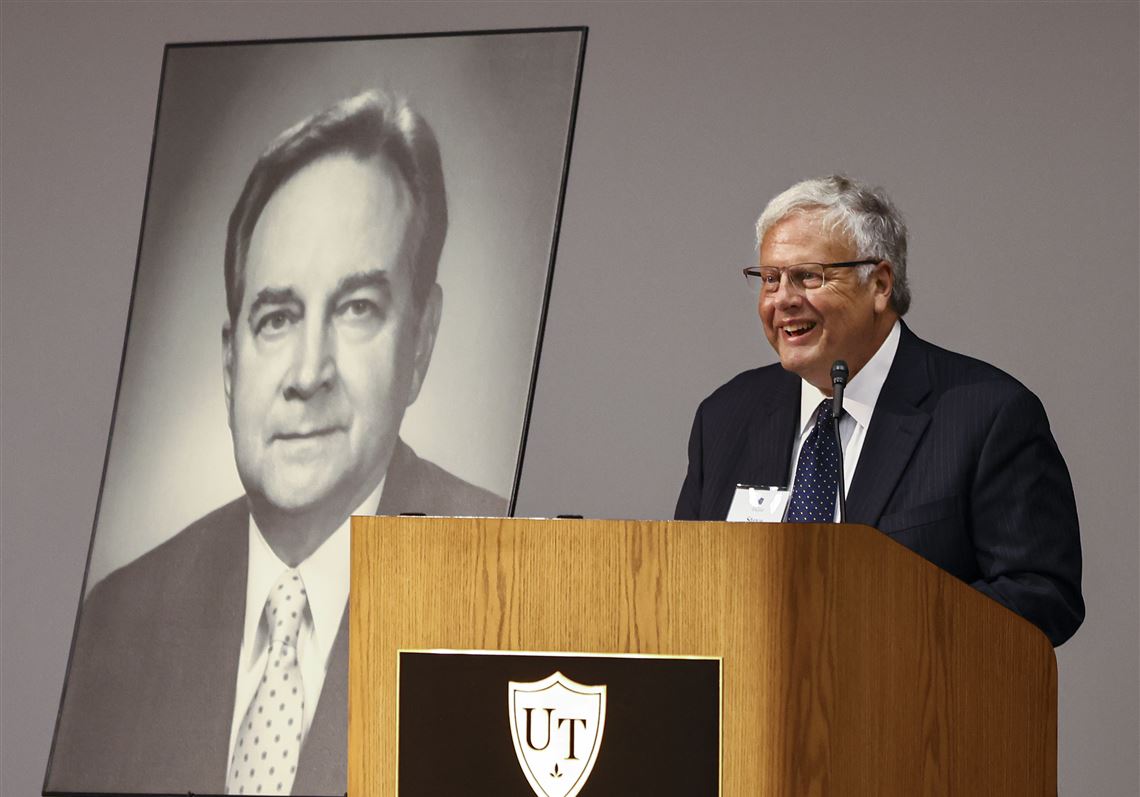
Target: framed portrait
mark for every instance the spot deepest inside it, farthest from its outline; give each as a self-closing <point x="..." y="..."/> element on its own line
<point x="345" y="258"/>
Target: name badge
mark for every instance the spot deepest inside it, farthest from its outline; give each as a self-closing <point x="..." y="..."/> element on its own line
<point x="755" y="504"/>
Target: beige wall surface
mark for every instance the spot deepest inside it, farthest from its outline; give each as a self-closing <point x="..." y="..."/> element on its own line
<point x="1007" y="133"/>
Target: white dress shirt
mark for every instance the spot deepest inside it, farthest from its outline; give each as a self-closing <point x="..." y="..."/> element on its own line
<point x="859" y="399"/>
<point x="325" y="576"/>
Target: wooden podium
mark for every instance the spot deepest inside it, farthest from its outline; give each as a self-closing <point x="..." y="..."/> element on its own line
<point x="851" y="666"/>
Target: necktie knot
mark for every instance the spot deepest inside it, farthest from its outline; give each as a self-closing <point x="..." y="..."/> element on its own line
<point x="823" y="412"/>
<point x="285" y="608"/>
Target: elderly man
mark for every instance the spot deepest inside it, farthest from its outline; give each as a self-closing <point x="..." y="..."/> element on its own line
<point x="945" y="454"/>
<point x="218" y="661"/>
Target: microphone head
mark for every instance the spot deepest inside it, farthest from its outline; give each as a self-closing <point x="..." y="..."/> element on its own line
<point x="839" y="372"/>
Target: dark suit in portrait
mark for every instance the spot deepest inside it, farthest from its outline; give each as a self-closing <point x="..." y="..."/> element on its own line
<point x="958" y="465"/>
<point x="150" y="696"/>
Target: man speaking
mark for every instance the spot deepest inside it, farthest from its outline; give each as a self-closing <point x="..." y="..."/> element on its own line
<point x="218" y="661"/>
<point x="945" y="454"/>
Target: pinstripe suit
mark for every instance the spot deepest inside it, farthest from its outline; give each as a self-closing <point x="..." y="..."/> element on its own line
<point x="958" y="465"/>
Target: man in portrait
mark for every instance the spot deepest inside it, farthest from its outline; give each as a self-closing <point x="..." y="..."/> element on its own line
<point x="217" y="662"/>
<point x="945" y="454"/>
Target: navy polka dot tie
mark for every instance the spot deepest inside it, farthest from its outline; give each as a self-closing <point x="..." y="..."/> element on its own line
<point x="817" y="473"/>
<point x="269" y="740"/>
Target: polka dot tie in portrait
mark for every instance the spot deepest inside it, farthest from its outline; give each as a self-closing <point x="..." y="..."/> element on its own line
<point x="269" y="739"/>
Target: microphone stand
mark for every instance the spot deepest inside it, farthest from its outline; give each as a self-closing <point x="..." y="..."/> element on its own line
<point x="838" y="382"/>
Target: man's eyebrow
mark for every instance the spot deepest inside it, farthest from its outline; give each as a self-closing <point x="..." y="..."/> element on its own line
<point x="273" y="296"/>
<point x="376" y="278"/>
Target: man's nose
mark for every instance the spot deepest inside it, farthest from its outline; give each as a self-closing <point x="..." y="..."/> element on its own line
<point x="314" y="362"/>
<point x="786" y="295"/>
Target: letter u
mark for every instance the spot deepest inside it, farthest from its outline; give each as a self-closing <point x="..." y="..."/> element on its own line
<point x="529" y="742"/>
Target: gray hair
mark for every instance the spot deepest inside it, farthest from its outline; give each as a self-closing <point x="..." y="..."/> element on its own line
<point x="371" y="124"/>
<point x="865" y="215"/>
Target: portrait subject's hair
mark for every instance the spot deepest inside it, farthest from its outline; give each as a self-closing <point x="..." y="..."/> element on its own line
<point x="371" y="124"/>
<point x="865" y="215"/>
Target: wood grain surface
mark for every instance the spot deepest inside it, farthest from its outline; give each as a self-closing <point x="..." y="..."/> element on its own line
<point x="851" y="665"/>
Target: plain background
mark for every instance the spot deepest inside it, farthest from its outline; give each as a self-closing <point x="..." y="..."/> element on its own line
<point x="500" y="107"/>
<point x="1006" y="132"/>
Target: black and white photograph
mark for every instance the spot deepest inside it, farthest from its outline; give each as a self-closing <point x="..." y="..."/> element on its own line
<point x="343" y="268"/>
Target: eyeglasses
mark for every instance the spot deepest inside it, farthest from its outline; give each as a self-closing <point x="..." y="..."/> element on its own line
<point x="801" y="277"/>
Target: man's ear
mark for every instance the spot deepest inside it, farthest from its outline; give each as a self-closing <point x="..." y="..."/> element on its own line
<point x="426" y="331"/>
<point x="882" y="284"/>
<point x="228" y="369"/>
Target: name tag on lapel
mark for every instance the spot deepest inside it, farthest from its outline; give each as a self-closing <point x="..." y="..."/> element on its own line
<point x="756" y="504"/>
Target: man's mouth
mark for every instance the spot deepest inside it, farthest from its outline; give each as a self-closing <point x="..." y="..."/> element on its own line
<point x="799" y="329"/>
<point x="307" y="434"/>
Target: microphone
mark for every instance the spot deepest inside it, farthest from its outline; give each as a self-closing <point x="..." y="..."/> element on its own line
<point x="839" y="374"/>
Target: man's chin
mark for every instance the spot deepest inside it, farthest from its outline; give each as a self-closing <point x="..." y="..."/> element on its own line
<point x="809" y="366"/>
<point x="302" y="496"/>
<point x="322" y="492"/>
<point x="799" y="362"/>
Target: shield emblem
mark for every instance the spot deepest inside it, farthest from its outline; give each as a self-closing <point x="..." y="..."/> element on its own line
<point x="556" y="725"/>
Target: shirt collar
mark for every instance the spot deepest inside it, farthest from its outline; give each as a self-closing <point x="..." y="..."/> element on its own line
<point x="325" y="575"/>
<point x="862" y="392"/>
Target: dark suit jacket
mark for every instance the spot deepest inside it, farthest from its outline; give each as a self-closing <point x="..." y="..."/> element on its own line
<point x="149" y="699"/>
<point x="958" y="465"/>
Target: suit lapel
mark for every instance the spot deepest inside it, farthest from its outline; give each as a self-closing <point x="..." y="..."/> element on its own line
<point x="403" y="492"/>
<point x="323" y="765"/>
<point x="228" y="629"/>
<point x="758" y="446"/>
<point x="201" y="650"/>
<point x="896" y="427"/>
<point x="772" y="431"/>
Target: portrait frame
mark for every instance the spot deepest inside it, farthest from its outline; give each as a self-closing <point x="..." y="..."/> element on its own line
<point x="503" y="107"/>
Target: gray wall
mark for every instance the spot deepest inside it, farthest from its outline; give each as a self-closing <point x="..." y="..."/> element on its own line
<point x="1006" y="132"/>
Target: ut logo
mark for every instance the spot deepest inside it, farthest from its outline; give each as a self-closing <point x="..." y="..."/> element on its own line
<point x="531" y="740"/>
<point x="556" y="727"/>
